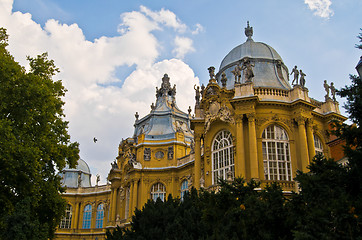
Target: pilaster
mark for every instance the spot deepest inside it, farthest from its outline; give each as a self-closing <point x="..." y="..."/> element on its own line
<point x="254" y="169"/>
<point x="240" y="151"/>
<point x="197" y="167"/>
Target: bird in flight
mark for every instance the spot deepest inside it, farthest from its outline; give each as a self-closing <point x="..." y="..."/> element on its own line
<point x="95" y="140"/>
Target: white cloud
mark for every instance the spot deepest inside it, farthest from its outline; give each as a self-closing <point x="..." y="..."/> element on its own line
<point x="165" y="17"/>
<point x="199" y="28"/>
<point x="321" y="8"/>
<point x="94" y="106"/>
<point x="183" y="45"/>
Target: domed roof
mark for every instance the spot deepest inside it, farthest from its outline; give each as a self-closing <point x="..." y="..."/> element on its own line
<point x="268" y="68"/>
<point x="250" y="49"/>
<point x="82" y="166"/>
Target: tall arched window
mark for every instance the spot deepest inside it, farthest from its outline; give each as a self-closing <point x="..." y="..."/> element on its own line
<point x="66" y="220"/>
<point x="222" y="156"/>
<point x="318" y="145"/>
<point x="87" y="216"/>
<point x="276" y="154"/>
<point x="158" y="190"/>
<point x="99" y="216"/>
<point x="184" y="188"/>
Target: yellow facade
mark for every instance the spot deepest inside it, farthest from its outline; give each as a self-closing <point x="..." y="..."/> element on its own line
<point x="252" y="125"/>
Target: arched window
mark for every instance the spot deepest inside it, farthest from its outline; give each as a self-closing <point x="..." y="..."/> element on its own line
<point x="87" y="216"/>
<point x="66" y="220"/>
<point x="276" y="154"/>
<point x="318" y="145"/>
<point x="184" y="188"/>
<point x="158" y="190"/>
<point x="222" y="156"/>
<point x="99" y="216"/>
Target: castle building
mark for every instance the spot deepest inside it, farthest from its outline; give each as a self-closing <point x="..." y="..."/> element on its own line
<point x="249" y="122"/>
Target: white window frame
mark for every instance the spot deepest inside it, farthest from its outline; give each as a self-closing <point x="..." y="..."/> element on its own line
<point x="222" y="156"/>
<point x="66" y="221"/>
<point x="318" y="145"/>
<point x="276" y="154"/>
<point x="158" y="190"/>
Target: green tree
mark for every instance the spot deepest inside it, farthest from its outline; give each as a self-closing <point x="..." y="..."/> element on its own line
<point x="34" y="144"/>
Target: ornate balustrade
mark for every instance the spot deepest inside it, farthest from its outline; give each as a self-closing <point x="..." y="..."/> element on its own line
<point x="271" y="91"/>
<point x="285" y="185"/>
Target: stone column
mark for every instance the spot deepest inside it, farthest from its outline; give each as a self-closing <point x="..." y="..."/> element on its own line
<point x="240" y="151"/>
<point x="254" y="169"/>
<point x="135" y="195"/>
<point x="197" y="165"/>
<point x="310" y="138"/>
<point x="303" y="146"/>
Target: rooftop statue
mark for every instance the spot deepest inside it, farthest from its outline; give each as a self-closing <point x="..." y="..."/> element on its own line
<point x="212" y="73"/>
<point x="237" y="73"/>
<point x="333" y="91"/>
<point x="302" y="79"/>
<point x="326" y="88"/>
<point x="248" y="70"/>
<point x="197" y="95"/>
<point x="296" y="75"/>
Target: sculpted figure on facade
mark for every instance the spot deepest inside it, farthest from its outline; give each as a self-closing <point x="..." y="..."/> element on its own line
<point x="296" y="75"/>
<point x="197" y="95"/>
<point x="302" y="79"/>
<point x="170" y="153"/>
<point x="202" y="89"/>
<point x="237" y="73"/>
<point x="79" y="179"/>
<point x="326" y="88"/>
<point x="114" y="165"/>
<point x="211" y="72"/>
<point x="223" y="79"/>
<point x="248" y="70"/>
<point x="333" y="91"/>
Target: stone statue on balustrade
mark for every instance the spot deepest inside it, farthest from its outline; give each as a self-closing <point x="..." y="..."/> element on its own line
<point x="302" y="78"/>
<point x="296" y="75"/>
<point x="333" y="91"/>
<point x="248" y="70"/>
<point x="326" y="88"/>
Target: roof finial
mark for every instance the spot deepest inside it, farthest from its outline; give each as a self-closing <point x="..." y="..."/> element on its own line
<point x="249" y="31"/>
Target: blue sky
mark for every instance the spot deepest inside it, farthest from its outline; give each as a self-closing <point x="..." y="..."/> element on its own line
<point x="112" y="54"/>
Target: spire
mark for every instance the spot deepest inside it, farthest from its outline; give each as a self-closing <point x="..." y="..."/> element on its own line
<point x="248" y="31"/>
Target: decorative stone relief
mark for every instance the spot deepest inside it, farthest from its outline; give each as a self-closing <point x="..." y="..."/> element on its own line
<point x="170" y="153"/>
<point x="147" y="154"/>
<point x="216" y="112"/>
<point x="159" y="155"/>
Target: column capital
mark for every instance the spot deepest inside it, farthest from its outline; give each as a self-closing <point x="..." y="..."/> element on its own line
<point x="300" y="120"/>
<point x="251" y="116"/>
<point x="197" y="136"/>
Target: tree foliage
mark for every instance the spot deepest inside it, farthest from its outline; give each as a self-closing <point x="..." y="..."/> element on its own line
<point x="34" y="144"/>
